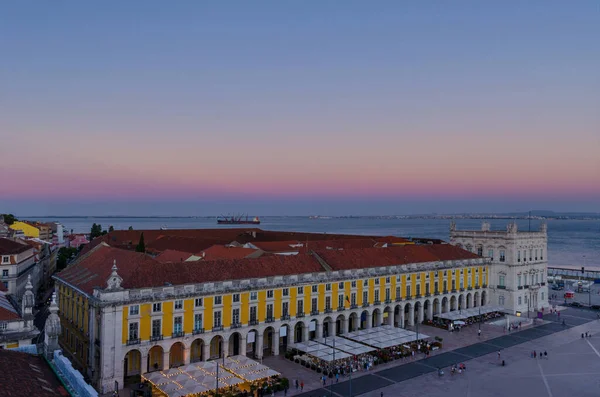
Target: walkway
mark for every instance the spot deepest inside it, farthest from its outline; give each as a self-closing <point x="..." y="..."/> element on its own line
<point x="386" y="377"/>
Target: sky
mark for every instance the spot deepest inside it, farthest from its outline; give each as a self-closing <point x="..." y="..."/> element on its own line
<point x="290" y="108"/>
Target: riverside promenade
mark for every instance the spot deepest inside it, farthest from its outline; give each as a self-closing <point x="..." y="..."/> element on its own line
<point x="572" y="366"/>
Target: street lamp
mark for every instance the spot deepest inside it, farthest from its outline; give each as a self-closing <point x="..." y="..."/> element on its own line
<point x="479" y="322"/>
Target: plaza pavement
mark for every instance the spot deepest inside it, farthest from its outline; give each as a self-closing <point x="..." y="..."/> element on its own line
<point x="572" y="366"/>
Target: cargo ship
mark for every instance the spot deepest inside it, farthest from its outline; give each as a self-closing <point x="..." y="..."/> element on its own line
<point x="237" y="220"/>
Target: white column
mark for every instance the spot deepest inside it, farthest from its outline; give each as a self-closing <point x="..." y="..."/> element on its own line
<point x="369" y="321"/>
<point x="430" y="311"/>
<point x="401" y="322"/>
<point x="275" y="344"/>
<point x="411" y="316"/>
<point x="259" y="345"/>
<point x="225" y="347"/>
<point x="333" y="326"/>
<point x="319" y="330"/>
<point x="420" y="314"/>
<point x="205" y="351"/>
<point x="165" y="360"/>
<point x="186" y="355"/>
<point x="391" y="318"/>
<point x="144" y="364"/>
<point x="242" y="346"/>
<point x="305" y="333"/>
<point x="345" y="325"/>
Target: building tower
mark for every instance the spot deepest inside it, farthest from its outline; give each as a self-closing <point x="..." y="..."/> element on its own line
<point x="27" y="303"/>
<point x="52" y="330"/>
<point x="517" y="279"/>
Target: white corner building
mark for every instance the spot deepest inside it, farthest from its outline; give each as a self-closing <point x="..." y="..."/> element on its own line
<point x="519" y="264"/>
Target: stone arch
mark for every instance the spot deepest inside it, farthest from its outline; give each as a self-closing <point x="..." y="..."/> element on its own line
<point x="196" y="350"/>
<point x="388" y="316"/>
<point x="284" y="336"/>
<point x="399" y="316"/>
<point x="269" y="339"/>
<point x="155" y="358"/>
<point x="469" y="300"/>
<point x="409" y="314"/>
<point x="251" y="338"/>
<point x="476" y="299"/>
<point x="453" y="303"/>
<point x="132" y="363"/>
<point x="353" y="322"/>
<point x="427" y="310"/>
<point x="235" y="344"/>
<point x="418" y="312"/>
<point x="216" y="347"/>
<point x="299" y="332"/>
<point x="365" y="317"/>
<point x="376" y="317"/>
<point x="328" y="327"/>
<point x="445" y="305"/>
<point x="176" y="355"/>
<point x="461" y="302"/>
<point x="340" y="324"/>
<point x="437" y="307"/>
<point x="313" y="334"/>
<point x="483" y="298"/>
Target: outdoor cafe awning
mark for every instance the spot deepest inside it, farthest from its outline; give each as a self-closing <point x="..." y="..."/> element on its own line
<point x="467" y="313"/>
<point x="385" y="336"/>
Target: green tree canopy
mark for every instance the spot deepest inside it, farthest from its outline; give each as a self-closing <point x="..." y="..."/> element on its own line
<point x="141" y="247"/>
<point x="9" y="219"/>
<point x="111" y="229"/>
<point x="96" y="231"/>
<point x="130" y="227"/>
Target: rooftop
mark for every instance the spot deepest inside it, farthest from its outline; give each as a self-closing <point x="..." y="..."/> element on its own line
<point x="7" y="310"/>
<point x="12" y="247"/>
<point x="26" y="375"/>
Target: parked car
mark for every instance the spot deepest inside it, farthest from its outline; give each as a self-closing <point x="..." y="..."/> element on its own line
<point x="595" y="307"/>
<point x="576" y="304"/>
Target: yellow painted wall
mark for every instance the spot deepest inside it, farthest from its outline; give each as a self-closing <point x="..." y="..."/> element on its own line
<point x="262" y="306"/>
<point x="207" y="318"/>
<point x="188" y="318"/>
<point x="245" y="306"/>
<point x="226" y="315"/>
<point x="28" y="230"/>
<point x="167" y="318"/>
<point x="145" y="321"/>
<point x="278" y="295"/>
<point x="293" y="298"/>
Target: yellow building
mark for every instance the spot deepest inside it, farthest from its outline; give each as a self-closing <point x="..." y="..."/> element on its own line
<point x="27" y="229"/>
<point x="126" y="314"/>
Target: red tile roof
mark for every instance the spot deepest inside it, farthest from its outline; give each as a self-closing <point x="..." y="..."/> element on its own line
<point x="26" y="375"/>
<point x="7" y="310"/>
<point x="224" y="252"/>
<point x="12" y="247"/>
<point x="178" y="243"/>
<point x="173" y="256"/>
<point x="400" y="255"/>
<point x="279" y="246"/>
<point x="3" y="288"/>
<point x="392" y="240"/>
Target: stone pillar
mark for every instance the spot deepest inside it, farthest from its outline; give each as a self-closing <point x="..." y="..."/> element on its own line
<point x="242" y="346"/>
<point x="144" y="364"/>
<point x="305" y="333"/>
<point x="369" y="321"/>
<point x="333" y="328"/>
<point x="391" y="318"/>
<point x="318" y="330"/>
<point x="345" y="325"/>
<point x="411" y="316"/>
<point x="225" y="347"/>
<point x="430" y="311"/>
<point x="259" y="346"/>
<point x="166" y="360"/>
<point x="275" y="344"/>
<point x="205" y="351"/>
<point x="401" y="322"/>
<point x="420" y="314"/>
<point x="186" y="355"/>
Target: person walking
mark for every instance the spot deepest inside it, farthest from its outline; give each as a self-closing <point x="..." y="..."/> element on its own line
<point x="545" y="354"/>
<point x="301" y="385"/>
<point x="479" y="332"/>
<point x="534" y="354"/>
<point x="498" y="354"/>
<point x="297" y="384"/>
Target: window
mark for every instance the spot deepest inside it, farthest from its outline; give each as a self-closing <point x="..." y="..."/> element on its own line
<point x="156" y="328"/>
<point x="134" y="331"/>
<point x="532" y="279"/>
<point x="198" y="302"/>
<point x="398" y="278"/>
<point x="285" y="292"/>
<point x="519" y="300"/>
<point x="491" y="254"/>
<point x="218" y="300"/>
<point x="502" y="256"/>
<point x="134" y="310"/>
<point x="341" y="285"/>
<point x="314" y="305"/>
<point x="418" y="289"/>
<point x="435" y="288"/>
<point x="376" y="295"/>
<point x="524" y="255"/>
<point x="252" y="313"/>
<point x="328" y="287"/>
<point x="328" y="303"/>
<point x="353" y="298"/>
<point x="300" y="307"/>
<point x="365" y="297"/>
<point x="340" y="300"/>
<point x="519" y="256"/>
<point x="542" y="254"/>
<point x="253" y="295"/>
<point x="480" y="251"/>
<point x="285" y="309"/>
<point x="156" y="307"/>
<point x="501" y="281"/>
<point x="445" y="285"/>
<point x="387" y="294"/>
<point x="377" y="281"/>
<point x="198" y="321"/>
<point x="519" y="281"/>
<point x="408" y="295"/>
<point x="177" y="324"/>
<point x="5" y="284"/>
<point x="387" y="280"/>
<point x="5" y="273"/>
<point x="6" y="259"/>
<point x="315" y="288"/>
<point x="501" y="300"/>
<point x="526" y="299"/>
<point x="270" y="294"/>
<point x="427" y="289"/>
<point x="300" y="290"/>
<point x="217" y="319"/>
<point x="536" y="254"/>
<point x="530" y="254"/>
<point x="536" y="278"/>
<point x="179" y="304"/>
<point x="353" y="284"/>
<point x="485" y="278"/>
<point x="365" y="283"/>
<point x="236" y="298"/>
<point x="542" y="296"/>
<point x="397" y="292"/>
<point x="235" y="316"/>
<point x="269" y="310"/>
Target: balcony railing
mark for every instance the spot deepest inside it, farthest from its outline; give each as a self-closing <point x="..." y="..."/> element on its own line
<point x="526" y="286"/>
<point x="542" y="284"/>
<point x="462" y="289"/>
<point x="253" y="322"/>
<point x="417" y="296"/>
<point x="314" y="312"/>
<point x="177" y="334"/>
<point x="377" y="302"/>
<point x="133" y="342"/>
<point x="285" y="317"/>
<point x="354" y="306"/>
<point x="427" y="294"/>
<point x="198" y="331"/>
<point x="470" y="288"/>
<point x="299" y="314"/>
<point x="445" y="291"/>
<point x="155" y="338"/>
<point x="477" y="286"/>
<point x="453" y="290"/>
<point x="501" y="286"/>
<point x="340" y="308"/>
<point x="269" y="319"/>
<point x="388" y="301"/>
<point x="436" y="292"/>
<point x="398" y="299"/>
<point x="236" y="325"/>
<point x="217" y="328"/>
<point x="483" y="285"/>
<point x="366" y="304"/>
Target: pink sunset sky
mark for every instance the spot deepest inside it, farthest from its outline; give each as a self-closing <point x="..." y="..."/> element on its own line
<point x="385" y="103"/>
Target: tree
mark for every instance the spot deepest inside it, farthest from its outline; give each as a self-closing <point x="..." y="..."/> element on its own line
<point x="64" y="255"/>
<point x="130" y="228"/>
<point x="9" y="219"/>
<point x="111" y="229"/>
<point x="96" y="231"/>
<point x="141" y="247"/>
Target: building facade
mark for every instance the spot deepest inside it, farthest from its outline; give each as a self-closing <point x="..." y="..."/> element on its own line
<point x="519" y="264"/>
<point x="127" y="327"/>
<point x="17" y="266"/>
<point x="17" y="329"/>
